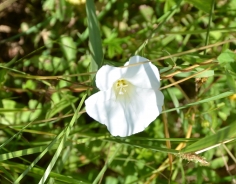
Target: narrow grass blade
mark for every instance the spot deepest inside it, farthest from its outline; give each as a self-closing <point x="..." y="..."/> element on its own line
<point x="154" y="148"/>
<point x="95" y="42"/>
<point x="38" y="171"/>
<point x="64" y="102"/>
<point x="14" y="136"/>
<point x="49" y="147"/>
<point x="223" y="95"/>
<point x="62" y="143"/>
<point x="222" y="136"/>
<point x="174" y="98"/>
<point x="101" y="173"/>
<point x="29" y="151"/>
<point x="162" y="20"/>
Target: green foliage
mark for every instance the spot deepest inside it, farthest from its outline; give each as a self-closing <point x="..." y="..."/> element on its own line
<point x="206" y="6"/>
<point x="48" y="51"/>
<point x="95" y="42"/>
<point x="226" y="134"/>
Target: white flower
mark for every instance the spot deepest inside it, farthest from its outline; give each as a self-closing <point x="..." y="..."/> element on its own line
<point x="129" y="99"/>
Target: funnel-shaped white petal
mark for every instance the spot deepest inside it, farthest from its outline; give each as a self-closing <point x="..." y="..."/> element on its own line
<point x="129" y="99"/>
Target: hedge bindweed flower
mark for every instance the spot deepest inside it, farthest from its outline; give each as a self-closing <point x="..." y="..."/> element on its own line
<point x="129" y="99"/>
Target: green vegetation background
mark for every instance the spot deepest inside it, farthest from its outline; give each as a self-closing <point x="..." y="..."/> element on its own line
<point x="50" y="51"/>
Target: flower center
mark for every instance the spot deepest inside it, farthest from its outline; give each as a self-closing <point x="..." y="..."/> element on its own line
<point x="121" y="86"/>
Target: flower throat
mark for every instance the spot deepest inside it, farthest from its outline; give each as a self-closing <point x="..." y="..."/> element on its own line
<point x="121" y="86"/>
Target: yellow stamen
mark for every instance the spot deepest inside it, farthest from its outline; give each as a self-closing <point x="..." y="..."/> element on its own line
<point x="120" y="86"/>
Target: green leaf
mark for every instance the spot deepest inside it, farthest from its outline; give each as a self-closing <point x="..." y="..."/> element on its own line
<point x="226" y="57"/>
<point x="232" y="67"/>
<point x="95" y="42"/>
<point x="3" y="76"/>
<point x="225" y="134"/>
<point x="230" y="81"/>
<point x="201" y="5"/>
<point x="29" y="84"/>
<point x="219" y="162"/>
<point x="68" y="48"/>
<point x="207" y="73"/>
<point x="49" y="63"/>
<point x="147" y="12"/>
